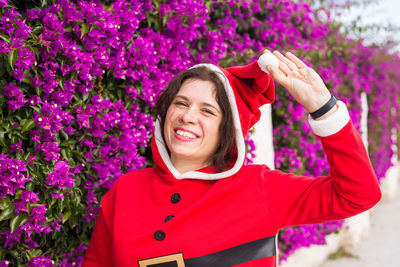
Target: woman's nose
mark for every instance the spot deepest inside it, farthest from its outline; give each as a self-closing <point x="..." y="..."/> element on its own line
<point x="189" y="115"/>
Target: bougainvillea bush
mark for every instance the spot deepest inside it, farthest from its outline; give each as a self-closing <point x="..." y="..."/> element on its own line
<point x="78" y="80"/>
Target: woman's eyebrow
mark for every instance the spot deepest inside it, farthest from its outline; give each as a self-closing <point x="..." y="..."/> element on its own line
<point x="181" y="96"/>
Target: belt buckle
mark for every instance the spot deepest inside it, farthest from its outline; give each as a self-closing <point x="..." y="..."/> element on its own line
<point x="178" y="258"/>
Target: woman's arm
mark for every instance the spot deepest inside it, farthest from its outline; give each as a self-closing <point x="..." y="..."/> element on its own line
<point x="99" y="250"/>
<point x="351" y="187"/>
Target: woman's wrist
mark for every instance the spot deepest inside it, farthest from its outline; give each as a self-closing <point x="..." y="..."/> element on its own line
<point x="326" y="109"/>
<point x="331" y="122"/>
<point x="327" y="114"/>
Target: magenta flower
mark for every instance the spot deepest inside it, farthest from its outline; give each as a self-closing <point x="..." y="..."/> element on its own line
<point x="22" y="31"/>
<point x="13" y="175"/>
<point x="26" y="198"/>
<point x="11" y="91"/>
<point x="35" y="135"/>
<point x="61" y="176"/>
<point x="50" y="151"/>
<point x="7" y="19"/>
<point x="16" y="42"/>
<point x="4" y="47"/>
<point x="10" y="239"/>
<point x="17" y="103"/>
<point x="3" y="3"/>
<point x="41" y="261"/>
<point x="19" y="74"/>
<point x="16" y="147"/>
<point x="25" y="58"/>
<point x="32" y="14"/>
<point x="4" y="263"/>
<point x="34" y="100"/>
<point x="51" y="22"/>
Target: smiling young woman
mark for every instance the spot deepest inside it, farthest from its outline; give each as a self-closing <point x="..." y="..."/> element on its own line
<point x="201" y="205"/>
<point x="195" y="104"/>
<point x="191" y="128"/>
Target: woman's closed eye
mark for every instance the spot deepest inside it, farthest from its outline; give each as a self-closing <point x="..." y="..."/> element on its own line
<point x="180" y="103"/>
<point x="208" y="111"/>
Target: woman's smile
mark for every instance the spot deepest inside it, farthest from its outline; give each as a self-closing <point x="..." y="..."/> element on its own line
<point x="185" y="135"/>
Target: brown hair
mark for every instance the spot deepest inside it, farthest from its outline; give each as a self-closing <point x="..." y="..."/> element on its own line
<point x="222" y="157"/>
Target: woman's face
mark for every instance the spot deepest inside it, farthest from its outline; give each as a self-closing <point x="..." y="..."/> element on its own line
<point x="191" y="128"/>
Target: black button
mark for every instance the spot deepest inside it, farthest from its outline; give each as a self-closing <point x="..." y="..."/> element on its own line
<point x="175" y="198"/>
<point x="169" y="217"/>
<point x="159" y="235"/>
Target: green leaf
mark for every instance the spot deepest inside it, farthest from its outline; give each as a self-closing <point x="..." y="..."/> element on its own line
<point x="18" y="193"/>
<point x="33" y="253"/>
<point x="2" y="69"/>
<point x="37" y="252"/>
<point x="65" y="153"/>
<point x="14" y="253"/>
<point x="44" y="4"/>
<point x="7" y="213"/>
<point x="208" y="5"/>
<point x="16" y="222"/>
<point x="52" y="202"/>
<point x="29" y="186"/>
<point x="77" y="182"/>
<point x="34" y="49"/>
<point x="12" y="57"/>
<point x="73" y="221"/>
<point x="84" y="29"/>
<point x="24" y="219"/>
<point x="5" y="38"/>
<point x="342" y="253"/>
<point x="74" y="75"/>
<point x="66" y="216"/>
<point x="26" y="80"/>
<point x="37" y="109"/>
<point x="38" y="30"/>
<point x="165" y="20"/>
<point x="28" y="125"/>
<point x="5" y="203"/>
<point x="63" y="203"/>
<point x="64" y="134"/>
<point x="68" y="29"/>
<point x="77" y="200"/>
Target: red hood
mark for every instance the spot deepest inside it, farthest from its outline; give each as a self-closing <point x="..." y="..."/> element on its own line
<point x="248" y="88"/>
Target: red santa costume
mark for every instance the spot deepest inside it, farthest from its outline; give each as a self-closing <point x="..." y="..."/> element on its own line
<point x="160" y="217"/>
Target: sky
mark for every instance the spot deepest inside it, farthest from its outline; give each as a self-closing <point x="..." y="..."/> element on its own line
<point x="382" y="12"/>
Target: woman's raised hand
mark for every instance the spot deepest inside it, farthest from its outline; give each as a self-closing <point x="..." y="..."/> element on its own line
<point x="302" y="82"/>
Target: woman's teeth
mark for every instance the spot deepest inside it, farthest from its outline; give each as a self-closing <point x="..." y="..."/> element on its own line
<point x="185" y="134"/>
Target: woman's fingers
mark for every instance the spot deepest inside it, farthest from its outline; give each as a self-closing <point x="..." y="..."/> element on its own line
<point x="300" y="64"/>
<point x="278" y="76"/>
<point x="291" y="60"/>
<point x="290" y="65"/>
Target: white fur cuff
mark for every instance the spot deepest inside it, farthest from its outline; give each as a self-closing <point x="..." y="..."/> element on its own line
<point x="332" y="124"/>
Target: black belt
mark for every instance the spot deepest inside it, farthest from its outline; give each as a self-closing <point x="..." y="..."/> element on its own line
<point x="253" y="250"/>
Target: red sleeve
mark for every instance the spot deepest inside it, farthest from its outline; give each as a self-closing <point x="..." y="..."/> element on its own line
<point x="99" y="250"/>
<point x="351" y="188"/>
